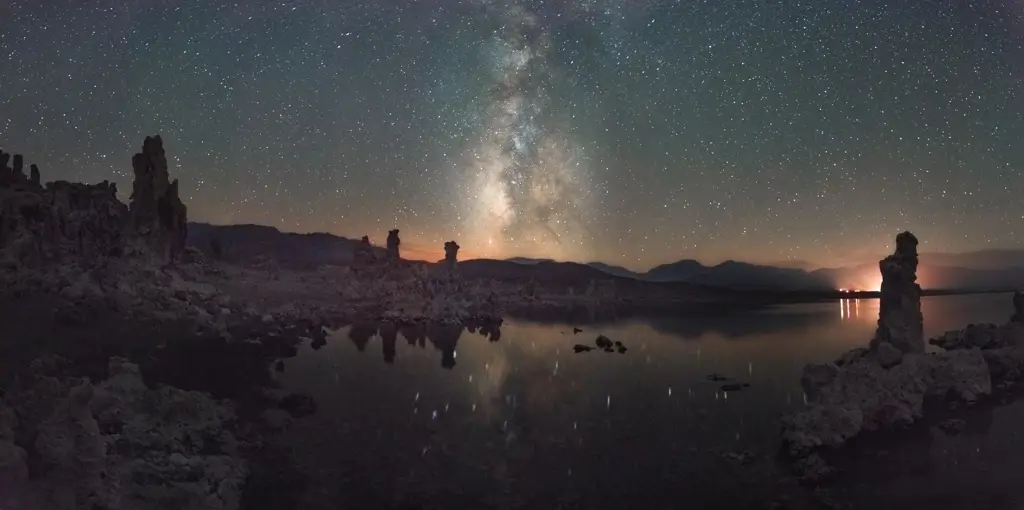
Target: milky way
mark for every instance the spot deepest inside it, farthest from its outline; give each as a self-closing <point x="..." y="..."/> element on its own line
<point x="530" y="191"/>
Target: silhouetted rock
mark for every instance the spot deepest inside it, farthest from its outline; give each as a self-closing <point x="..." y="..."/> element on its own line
<point x="900" y="322"/>
<point x="451" y="255"/>
<point x="603" y="342"/>
<point x="578" y="348"/>
<point x="158" y="216"/>
<point x="362" y="253"/>
<point x="716" y="377"/>
<point x="392" y="243"/>
<point x="5" y="171"/>
<point x="61" y="221"/>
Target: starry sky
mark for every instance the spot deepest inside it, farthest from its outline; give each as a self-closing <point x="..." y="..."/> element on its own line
<point x="633" y="132"/>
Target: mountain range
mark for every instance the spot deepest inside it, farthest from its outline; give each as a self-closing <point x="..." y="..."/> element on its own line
<point x="979" y="270"/>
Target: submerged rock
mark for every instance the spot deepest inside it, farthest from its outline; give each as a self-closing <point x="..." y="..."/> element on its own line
<point x="734" y="386"/>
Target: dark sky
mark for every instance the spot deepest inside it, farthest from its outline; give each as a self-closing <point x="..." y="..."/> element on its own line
<point x="629" y="131"/>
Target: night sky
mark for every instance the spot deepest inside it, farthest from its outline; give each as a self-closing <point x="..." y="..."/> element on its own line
<point x="628" y="131"/>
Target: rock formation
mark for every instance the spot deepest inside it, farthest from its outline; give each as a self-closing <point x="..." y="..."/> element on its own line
<point x="5" y="171"/>
<point x="158" y="217"/>
<point x="883" y="387"/>
<point x="900" y="322"/>
<point x="393" y="242"/>
<point x="71" y="220"/>
<point x="362" y="253"/>
<point x="14" y="177"/>
<point x="120" y="444"/>
<point x="451" y="255"/>
<point x="60" y="221"/>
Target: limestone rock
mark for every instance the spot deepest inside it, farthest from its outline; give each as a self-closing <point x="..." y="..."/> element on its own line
<point x="863" y="396"/>
<point x="451" y="255"/>
<point x="886" y="355"/>
<point x="900" y="322"/>
<point x="61" y="221"/>
<point x="120" y="444"/>
<point x="158" y="216"/>
<point x="393" y="243"/>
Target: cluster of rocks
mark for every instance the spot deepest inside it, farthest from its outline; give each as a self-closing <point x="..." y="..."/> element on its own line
<point x="117" y="444"/>
<point x="603" y="343"/>
<point x="64" y="221"/>
<point x="884" y="386"/>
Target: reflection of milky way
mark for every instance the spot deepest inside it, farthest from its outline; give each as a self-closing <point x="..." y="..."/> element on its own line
<point x="529" y="191"/>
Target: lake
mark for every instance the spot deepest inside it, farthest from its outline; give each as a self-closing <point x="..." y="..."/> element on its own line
<point x="522" y="421"/>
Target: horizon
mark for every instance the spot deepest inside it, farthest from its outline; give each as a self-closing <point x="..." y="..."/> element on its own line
<point x="426" y="253"/>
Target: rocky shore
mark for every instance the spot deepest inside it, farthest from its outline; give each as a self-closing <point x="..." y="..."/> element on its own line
<point x="136" y="370"/>
<point x="886" y="385"/>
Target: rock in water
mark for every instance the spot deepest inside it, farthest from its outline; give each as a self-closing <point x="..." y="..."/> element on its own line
<point x="884" y="387"/>
<point x="900" y="322"/>
<point x="158" y="217"/>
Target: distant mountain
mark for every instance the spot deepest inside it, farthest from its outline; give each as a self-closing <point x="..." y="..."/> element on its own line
<point x="983" y="259"/>
<point x="680" y="271"/>
<point x="614" y="270"/>
<point x="741" y="275"/>
<point x="729" y="274"/>
<point x="980" y="270"/>
<point x="527" y="260"/>
<point x="246" y="243"/>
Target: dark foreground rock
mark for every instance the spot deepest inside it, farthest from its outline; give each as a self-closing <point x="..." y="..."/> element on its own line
<point x="68" y="444"/>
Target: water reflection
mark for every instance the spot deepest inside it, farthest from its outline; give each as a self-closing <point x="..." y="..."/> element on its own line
<point x="849" y="309"/>
<point x="516" y="419"/>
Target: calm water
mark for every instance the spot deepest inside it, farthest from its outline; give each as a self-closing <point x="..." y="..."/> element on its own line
<point x="524" y="422"/>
